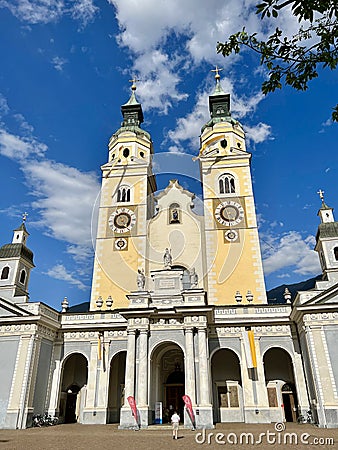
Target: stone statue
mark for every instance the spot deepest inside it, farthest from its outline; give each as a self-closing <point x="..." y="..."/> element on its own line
<point x="174" y="216"/>
<point x="167" y="259"/>
<point x="141" y="280"/>
<point x="193" y="278"/>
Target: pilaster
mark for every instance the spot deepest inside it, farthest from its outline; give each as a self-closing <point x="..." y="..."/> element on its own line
<point x="204" y="416"/>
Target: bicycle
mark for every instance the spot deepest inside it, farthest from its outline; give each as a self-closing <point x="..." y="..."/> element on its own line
<point x="305" y="418"/>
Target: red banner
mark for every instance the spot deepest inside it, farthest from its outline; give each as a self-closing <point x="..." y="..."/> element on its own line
<point x="132" y="404"/>
<point x="188" y="405"/>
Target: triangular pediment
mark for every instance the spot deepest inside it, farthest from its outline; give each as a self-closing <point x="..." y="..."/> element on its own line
<point x="9" y="309"/>
<point x="327" y="297"/>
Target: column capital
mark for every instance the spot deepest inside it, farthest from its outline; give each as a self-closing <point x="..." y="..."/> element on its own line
<point x="202" y="329"/>
<point x="143" y="330"/>
<point x="189" y="329"/>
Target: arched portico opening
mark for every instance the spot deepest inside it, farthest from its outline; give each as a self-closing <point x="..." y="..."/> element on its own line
<point x="73" y="388"/>
<point x="227" y="387"/>
<point x="116" y="387"/>
<point x="280" y="383"/>
<point x="167" y="383"/>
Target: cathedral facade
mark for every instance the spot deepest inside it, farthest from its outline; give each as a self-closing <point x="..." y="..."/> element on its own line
<point x="178" y="304"/>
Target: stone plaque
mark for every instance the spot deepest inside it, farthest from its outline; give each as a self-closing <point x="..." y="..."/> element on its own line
<point x="167" y="283"/>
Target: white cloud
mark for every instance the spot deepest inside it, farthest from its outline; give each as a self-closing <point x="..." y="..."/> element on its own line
<point x="20" y="148"/>
<point x="146" y="25"/>
<point x="84" y="11"/>
<point x="65" y="198"/>
<point x="4" y="109"/>
<point x="159" y="80"/>
<point x="326" y="124"/>
<point x="59" y="272"/>
<point x="189" y="127"/>
<point x="35" y="11"/>
<point x="290" y="252"/>
<point x="46" y="11"/>
<point x="24" y="125"/>
<point x="58" y="63"/>
<point x="258" y="133"/>
<point x="184" y="34"/>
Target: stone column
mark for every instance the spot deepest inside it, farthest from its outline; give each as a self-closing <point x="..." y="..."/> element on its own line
<point x="127" y="420"/>
<point x="203" y="367"/>
<point x="53" y="408"/>
<point x="190" y="386"/>
<point x="129" y="388"/>
<point x="142" y="382"/>
<point x="204" y="419"/>
<point x="93" y="413"/>
<point x="142" y="379"/>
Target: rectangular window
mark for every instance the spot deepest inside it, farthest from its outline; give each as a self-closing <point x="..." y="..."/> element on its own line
<point x="233" y="396"/>
<point x="228" y="396"/>
<point x="272" y="396"/>
<point x="223" y="397"/>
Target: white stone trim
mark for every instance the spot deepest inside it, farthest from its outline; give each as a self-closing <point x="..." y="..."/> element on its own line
<point x="328" y="362"/>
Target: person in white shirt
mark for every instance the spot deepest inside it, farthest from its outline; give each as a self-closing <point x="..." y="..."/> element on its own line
<point x="175" y="420"/>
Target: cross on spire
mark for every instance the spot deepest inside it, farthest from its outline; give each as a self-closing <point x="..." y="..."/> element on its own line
<point x="217" y="70"/>
<point x="24" y="217"/>
<point x="321" y="195"/>
<point x="134" y="81"/>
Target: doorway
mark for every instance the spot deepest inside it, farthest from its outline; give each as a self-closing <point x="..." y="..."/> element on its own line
<point x="73" y="388"/>
<point x="116" y="387"/>
<point x="70" y="413"/>
<point x="289" y="402"/>
<point x="174" y="388"/>
<point x="280" y="383"/>
<point x="167" y="380"/>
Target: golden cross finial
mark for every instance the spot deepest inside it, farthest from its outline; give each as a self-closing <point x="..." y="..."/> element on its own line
<point x="217" y="70"/>
<point x="24" y="217"/>
<point x="134" y="81"/>
<point x="321" y="194"/>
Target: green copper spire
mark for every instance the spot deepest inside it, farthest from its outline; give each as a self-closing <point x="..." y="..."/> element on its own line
<point x="132" y="114"/>
<point x="219" y="104"/>
<point x="132" y="110"/>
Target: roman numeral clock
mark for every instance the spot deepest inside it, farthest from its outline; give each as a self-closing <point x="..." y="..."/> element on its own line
<point x="230" y="215"/>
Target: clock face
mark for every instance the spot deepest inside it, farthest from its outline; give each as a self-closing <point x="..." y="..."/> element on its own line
<point x="122" y="220"/>
<point x="229" y="213"/>
<point x="231" y="235"/>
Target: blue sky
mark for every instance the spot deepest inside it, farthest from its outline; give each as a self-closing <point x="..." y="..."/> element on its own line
<point x="65" y="67"/>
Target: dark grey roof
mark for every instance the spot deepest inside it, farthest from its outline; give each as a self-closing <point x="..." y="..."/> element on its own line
<point x="80" y="308"/>
<point x="22" y="227"/>
<point x="327" y="230"/>
<point x="15" y="251"/>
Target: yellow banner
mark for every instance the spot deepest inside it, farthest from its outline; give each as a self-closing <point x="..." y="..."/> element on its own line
<point x="99" y="348"/>
<point x="252" y="347"/>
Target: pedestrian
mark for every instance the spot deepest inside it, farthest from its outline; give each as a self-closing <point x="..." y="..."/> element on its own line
<point x="175" y="420"/>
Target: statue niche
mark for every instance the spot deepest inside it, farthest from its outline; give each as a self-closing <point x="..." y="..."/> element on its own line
<point x="174" y="213"/>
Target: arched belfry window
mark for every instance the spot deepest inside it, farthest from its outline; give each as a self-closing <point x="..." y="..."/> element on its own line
<point x="123" y="194"/>
<point x="23" y="276"/>
<point x="335" y="251"/>
<point x="5" y="273"/>
<point x="174" y="213"/>
<point x="226" y="184"/>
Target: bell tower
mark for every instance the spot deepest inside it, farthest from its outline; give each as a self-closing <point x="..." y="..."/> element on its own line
<point x="16" y="263"/>
<point x="126" y="202"/>
<point x="327" y="241"/>
<point x="233" y="257"/>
